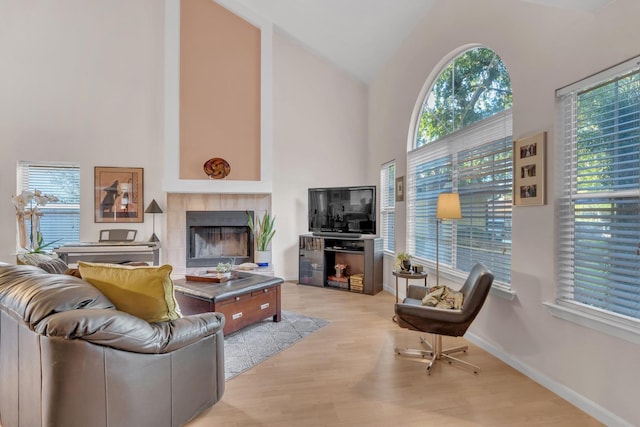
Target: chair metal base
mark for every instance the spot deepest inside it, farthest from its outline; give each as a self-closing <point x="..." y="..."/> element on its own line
<point x="433" y="352"/>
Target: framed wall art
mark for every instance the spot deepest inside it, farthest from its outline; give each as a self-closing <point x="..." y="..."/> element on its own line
<point x="529" y="170"/>
<point x="400" y="189"/>
<point x="118" y="194"/>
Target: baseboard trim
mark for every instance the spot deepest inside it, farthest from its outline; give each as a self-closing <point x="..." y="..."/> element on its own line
<point x="588" y="406"/>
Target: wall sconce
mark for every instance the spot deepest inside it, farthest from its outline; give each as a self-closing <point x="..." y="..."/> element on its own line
<point x="154" y="209"/>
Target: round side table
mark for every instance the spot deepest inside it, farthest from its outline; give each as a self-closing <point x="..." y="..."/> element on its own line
<point x="409" y="275"/>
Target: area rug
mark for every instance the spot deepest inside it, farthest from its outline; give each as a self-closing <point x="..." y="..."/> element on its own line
<point x="256" y="343"/>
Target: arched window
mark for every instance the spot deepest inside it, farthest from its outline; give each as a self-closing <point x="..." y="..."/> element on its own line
<point x="463" y="144"/>
<point x="472" y="87"/>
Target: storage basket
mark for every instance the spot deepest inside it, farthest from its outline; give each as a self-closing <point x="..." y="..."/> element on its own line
<point x="356" y="283"/>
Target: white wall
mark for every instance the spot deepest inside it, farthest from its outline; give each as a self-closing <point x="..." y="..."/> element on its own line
<point x="85" y="84"/>
<point x="320" y="139"/>
<point x="544" y="49"/>
<point x="81" y="81"/>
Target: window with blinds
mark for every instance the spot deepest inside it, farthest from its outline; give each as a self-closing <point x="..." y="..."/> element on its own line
<point x="599" y="221"/>
<point x="387" y="205"/>
<point x="476" y="163"/>
<point x="60" y="220"/>
<point x="463" y="144"/>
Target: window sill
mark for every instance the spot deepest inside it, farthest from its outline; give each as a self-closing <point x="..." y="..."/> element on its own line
<point x="592" y="318"/>
<point x="499" y="290"/>
<point x="503" y="292"/>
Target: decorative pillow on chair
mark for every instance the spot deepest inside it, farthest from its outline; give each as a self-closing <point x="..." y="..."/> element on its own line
<point x="54" y="266"/>
<point x="33" y="258"/>
<point x="443" y="297"/>
<point x="144" y="292"/>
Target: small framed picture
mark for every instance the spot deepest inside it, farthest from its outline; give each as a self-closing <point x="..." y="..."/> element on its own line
<point x="529" y="170"/>
<point x="400" y="189"/>
<point x="118" y="194"/>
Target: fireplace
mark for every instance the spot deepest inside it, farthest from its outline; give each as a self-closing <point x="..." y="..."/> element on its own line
<point x="218" y="236"/>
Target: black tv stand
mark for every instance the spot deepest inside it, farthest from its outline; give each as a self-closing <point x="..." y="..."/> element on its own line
<point x="320" y="253"/>
<point x="345" y="235"/>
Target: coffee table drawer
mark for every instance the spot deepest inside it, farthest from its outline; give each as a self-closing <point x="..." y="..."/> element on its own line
<point x="264" y="303"/>
<point x="247" y="309"/>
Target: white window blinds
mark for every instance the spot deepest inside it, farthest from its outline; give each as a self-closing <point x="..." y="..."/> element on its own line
<point x="476" y="163"/>
<point x="387" y="205"/>
<point x="60" y="220"/>
<point x="599" y="221"/>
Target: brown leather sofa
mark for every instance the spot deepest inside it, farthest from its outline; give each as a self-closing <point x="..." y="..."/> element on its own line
<point x="68" y="358"/>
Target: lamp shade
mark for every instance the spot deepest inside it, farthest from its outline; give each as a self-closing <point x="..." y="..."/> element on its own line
<point x="153" y="208"/>
<point x="448" y="206"/>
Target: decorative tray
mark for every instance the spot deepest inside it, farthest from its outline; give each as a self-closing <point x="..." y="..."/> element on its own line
<point x="211" y="278"/>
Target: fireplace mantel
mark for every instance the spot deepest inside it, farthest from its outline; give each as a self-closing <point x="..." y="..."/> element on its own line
<point x="216" y="186"/>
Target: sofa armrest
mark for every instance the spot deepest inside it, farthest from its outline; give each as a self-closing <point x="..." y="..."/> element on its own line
<point x="123" y="331"/>
<point x="188" y="329"/>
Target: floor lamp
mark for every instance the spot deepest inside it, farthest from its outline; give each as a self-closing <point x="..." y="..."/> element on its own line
<point x="448" y="208"/>
<point x="153" y="209"/>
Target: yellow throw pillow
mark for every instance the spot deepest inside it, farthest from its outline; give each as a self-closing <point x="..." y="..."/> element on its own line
<point x="145" y="292"/>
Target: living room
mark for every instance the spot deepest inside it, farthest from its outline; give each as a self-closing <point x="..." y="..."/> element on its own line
<point x="90" y="83"/>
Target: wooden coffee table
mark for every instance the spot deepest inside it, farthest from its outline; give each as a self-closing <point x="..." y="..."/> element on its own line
<point x="245" y="300"/>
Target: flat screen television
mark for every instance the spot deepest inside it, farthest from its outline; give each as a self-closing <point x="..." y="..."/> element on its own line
<point x="342" y="210"/>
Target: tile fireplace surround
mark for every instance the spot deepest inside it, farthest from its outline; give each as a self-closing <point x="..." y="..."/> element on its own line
<point x="174" y="245"/>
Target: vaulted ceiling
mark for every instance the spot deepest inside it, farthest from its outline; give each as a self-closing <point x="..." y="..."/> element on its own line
<point x="361" y="35"/>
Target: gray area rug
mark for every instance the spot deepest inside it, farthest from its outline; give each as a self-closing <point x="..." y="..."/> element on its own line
<point x="256" y="343"/>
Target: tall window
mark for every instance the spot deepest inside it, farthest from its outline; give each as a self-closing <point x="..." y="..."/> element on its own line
<point x="387" y="205"/>
<point x="463" y="144"/>
<point x="599" y="221"/>
<point x="60" y="220"/>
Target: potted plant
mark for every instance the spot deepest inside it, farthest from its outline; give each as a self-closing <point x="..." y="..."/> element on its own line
<point x="28" y="204"/>
<point x="404" y="261"/>
<point x="263" y="230"/>
<point x="224" y="270"/>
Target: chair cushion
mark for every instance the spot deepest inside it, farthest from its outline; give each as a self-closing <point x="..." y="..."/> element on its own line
<point x="33" y="258"/>
<point x="144" y="292"/>
<point x="443" y="297"/>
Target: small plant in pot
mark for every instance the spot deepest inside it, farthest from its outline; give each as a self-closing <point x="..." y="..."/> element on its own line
<point x="340" y="269"/>
<point x="224" y="270"/>
<point x="404" y="261"/>
<point x="263" y="230"/>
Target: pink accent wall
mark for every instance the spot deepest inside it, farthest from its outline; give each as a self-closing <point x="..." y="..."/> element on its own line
<point x="219" y="91"/>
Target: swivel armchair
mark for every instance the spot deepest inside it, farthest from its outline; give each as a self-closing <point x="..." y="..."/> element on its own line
<point x="411" y="314"/>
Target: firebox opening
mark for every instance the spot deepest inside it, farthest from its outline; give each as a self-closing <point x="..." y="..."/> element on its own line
<point x="218" y="236"/>
<point x="210" y="242"/>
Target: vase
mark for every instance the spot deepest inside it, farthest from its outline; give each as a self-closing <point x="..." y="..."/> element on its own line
<point x="22" y="229"/>
<point x="406" y="264"/>
<point x="338" y="272"/>
<point x="262" y="258"/>
<point x="36" y="235"/>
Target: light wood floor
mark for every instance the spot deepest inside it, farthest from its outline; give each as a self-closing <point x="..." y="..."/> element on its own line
<point x="346" y="374"/>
